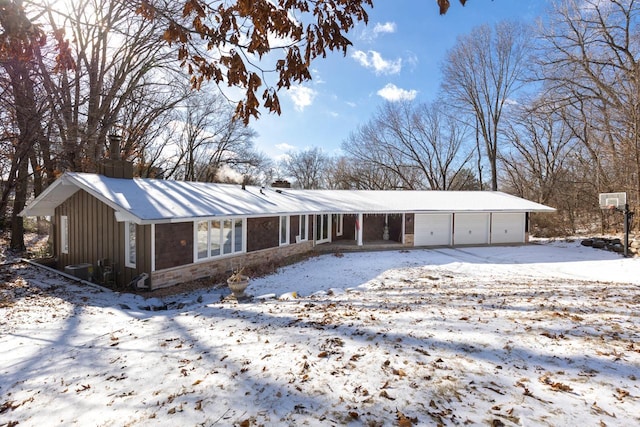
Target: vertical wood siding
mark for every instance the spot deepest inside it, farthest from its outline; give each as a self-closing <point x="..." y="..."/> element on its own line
<point x="94" y="234"/>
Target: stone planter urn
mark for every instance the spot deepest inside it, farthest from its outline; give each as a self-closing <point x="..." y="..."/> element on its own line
<point x="238" y="283"/>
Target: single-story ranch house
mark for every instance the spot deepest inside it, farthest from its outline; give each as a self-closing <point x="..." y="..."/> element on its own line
<point x="178" y="231"/>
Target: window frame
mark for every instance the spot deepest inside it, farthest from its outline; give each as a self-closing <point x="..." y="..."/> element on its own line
<point x="283" y="234"/>
<point x="64" y="234"/>
<point x="127" y="244"/>
<point x="226" y="246"/>
<point x="303" y="228"/>
<point x="339" y="224"/>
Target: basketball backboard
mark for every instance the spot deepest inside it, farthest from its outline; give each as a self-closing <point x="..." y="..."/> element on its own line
<point x="613" y="200"/>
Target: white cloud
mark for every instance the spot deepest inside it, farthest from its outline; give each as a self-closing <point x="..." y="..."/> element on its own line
<point x="412" y="59"/>
<point x="393" y="93"/>
<point x="375" y="61"/>
<point x="301" y="96"/>
<point x="387" y="27"/>
<point x="370" y="34"/>
<point x="285" y="147"/>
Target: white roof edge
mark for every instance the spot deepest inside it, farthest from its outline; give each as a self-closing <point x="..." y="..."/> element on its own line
<point x="46" y="211"/>
<point x="173" y="202"/>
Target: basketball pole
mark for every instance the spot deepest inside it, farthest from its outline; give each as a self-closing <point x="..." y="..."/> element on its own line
<point x="626" y="230"/>
<point x="627" y="225"/>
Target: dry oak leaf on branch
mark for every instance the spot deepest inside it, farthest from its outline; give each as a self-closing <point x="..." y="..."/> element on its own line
<point x="234" y="33"/>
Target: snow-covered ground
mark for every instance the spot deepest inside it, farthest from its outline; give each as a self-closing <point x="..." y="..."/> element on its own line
<point x="543" y="334"/>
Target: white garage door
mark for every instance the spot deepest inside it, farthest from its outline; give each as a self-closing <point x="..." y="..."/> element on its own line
<point x="432" y="230"/>
<point x="471" y="229"/>
<point x="507" y="227"/>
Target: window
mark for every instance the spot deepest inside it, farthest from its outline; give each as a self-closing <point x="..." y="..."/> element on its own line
<point x="303" y="228"/>
<point x="322" y="228"/>
<point x="215" y="238"/>
<point x="219" y="237"/>
<point x="64" y="234"/>
<point x="284" y="230"/>
<point x="227" y="236"/>
<point x="130" y="244"/>
<point x="238" y="235"/>
<point x="339" y="222"/>
<point x="202" y="239"/>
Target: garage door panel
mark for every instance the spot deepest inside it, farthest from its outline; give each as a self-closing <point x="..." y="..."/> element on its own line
<point x="508" y="228"/>
<point x="432" y="230"/>
<point x="471" y="229"/>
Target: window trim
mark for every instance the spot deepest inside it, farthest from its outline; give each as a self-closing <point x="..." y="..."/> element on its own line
<point x="64" y="234"/>
<point x="303" y="227"/>
<point x="221" y="240"/>
<point x="127" y="244"/>
<point x="287" y="230"/>
<point x="322" y="224"/>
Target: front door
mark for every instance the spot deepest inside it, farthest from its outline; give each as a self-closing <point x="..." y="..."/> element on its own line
<point x="323" y="228"/>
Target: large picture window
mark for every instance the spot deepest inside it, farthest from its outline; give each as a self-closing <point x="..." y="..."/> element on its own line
<point x="219" y="237"/>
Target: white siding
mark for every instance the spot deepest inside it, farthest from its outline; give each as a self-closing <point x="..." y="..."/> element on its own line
<point x="507" y="228"/>
<point x="432" y="230"/>
<point x="471" y="229"/>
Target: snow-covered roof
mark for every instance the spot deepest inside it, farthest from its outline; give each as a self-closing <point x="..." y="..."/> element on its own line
<point x="146" y="201"/>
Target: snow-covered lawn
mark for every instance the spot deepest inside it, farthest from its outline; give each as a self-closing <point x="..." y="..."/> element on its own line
<point x="533" y="335"/>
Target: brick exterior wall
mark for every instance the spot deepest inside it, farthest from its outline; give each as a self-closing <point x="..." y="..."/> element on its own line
<point x="373" y="227"/>
<point x="216" y="267"/>
<point x="263" y="233"/>
<point x="348" y="227"/>
<point x="395" y="227"/>
<point x="409" y="222"/>
<point x="174" y="245"/>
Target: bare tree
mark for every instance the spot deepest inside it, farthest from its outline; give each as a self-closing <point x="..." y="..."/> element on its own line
<point x="481" y="72"/>
<point x="306" y="168"/>
<point x="347" y="173"/>
<point x="205" y="137"/>
<point x="540" y="146"/>
<point x="590" y="61"/>
<point x="116" y="61"/>
<point x="418" y="143"/>
<point x="20" y="45"/>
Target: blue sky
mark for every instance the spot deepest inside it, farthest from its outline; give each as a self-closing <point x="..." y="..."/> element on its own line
<point x="399" y="53"/>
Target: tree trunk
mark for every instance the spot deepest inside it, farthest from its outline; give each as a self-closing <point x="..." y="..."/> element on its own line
<point x="17" y="222"/>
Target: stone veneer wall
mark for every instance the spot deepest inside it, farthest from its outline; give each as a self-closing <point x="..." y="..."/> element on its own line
<point x="173" y="276"/>
<point x="408" y="239"/>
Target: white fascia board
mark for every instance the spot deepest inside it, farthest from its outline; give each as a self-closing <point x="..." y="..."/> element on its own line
<point x="47" y="202"/>
<point x="123" y="216"/>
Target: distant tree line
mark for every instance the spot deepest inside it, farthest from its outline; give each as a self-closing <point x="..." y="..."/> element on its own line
<point x="549" y="113"/>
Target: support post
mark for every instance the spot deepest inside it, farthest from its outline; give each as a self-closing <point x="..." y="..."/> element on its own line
<point x="359" y="228"/>
<point x="628" y="215"/>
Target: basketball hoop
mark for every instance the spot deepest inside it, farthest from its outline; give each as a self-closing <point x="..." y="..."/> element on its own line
<point x="617" y="202"/>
